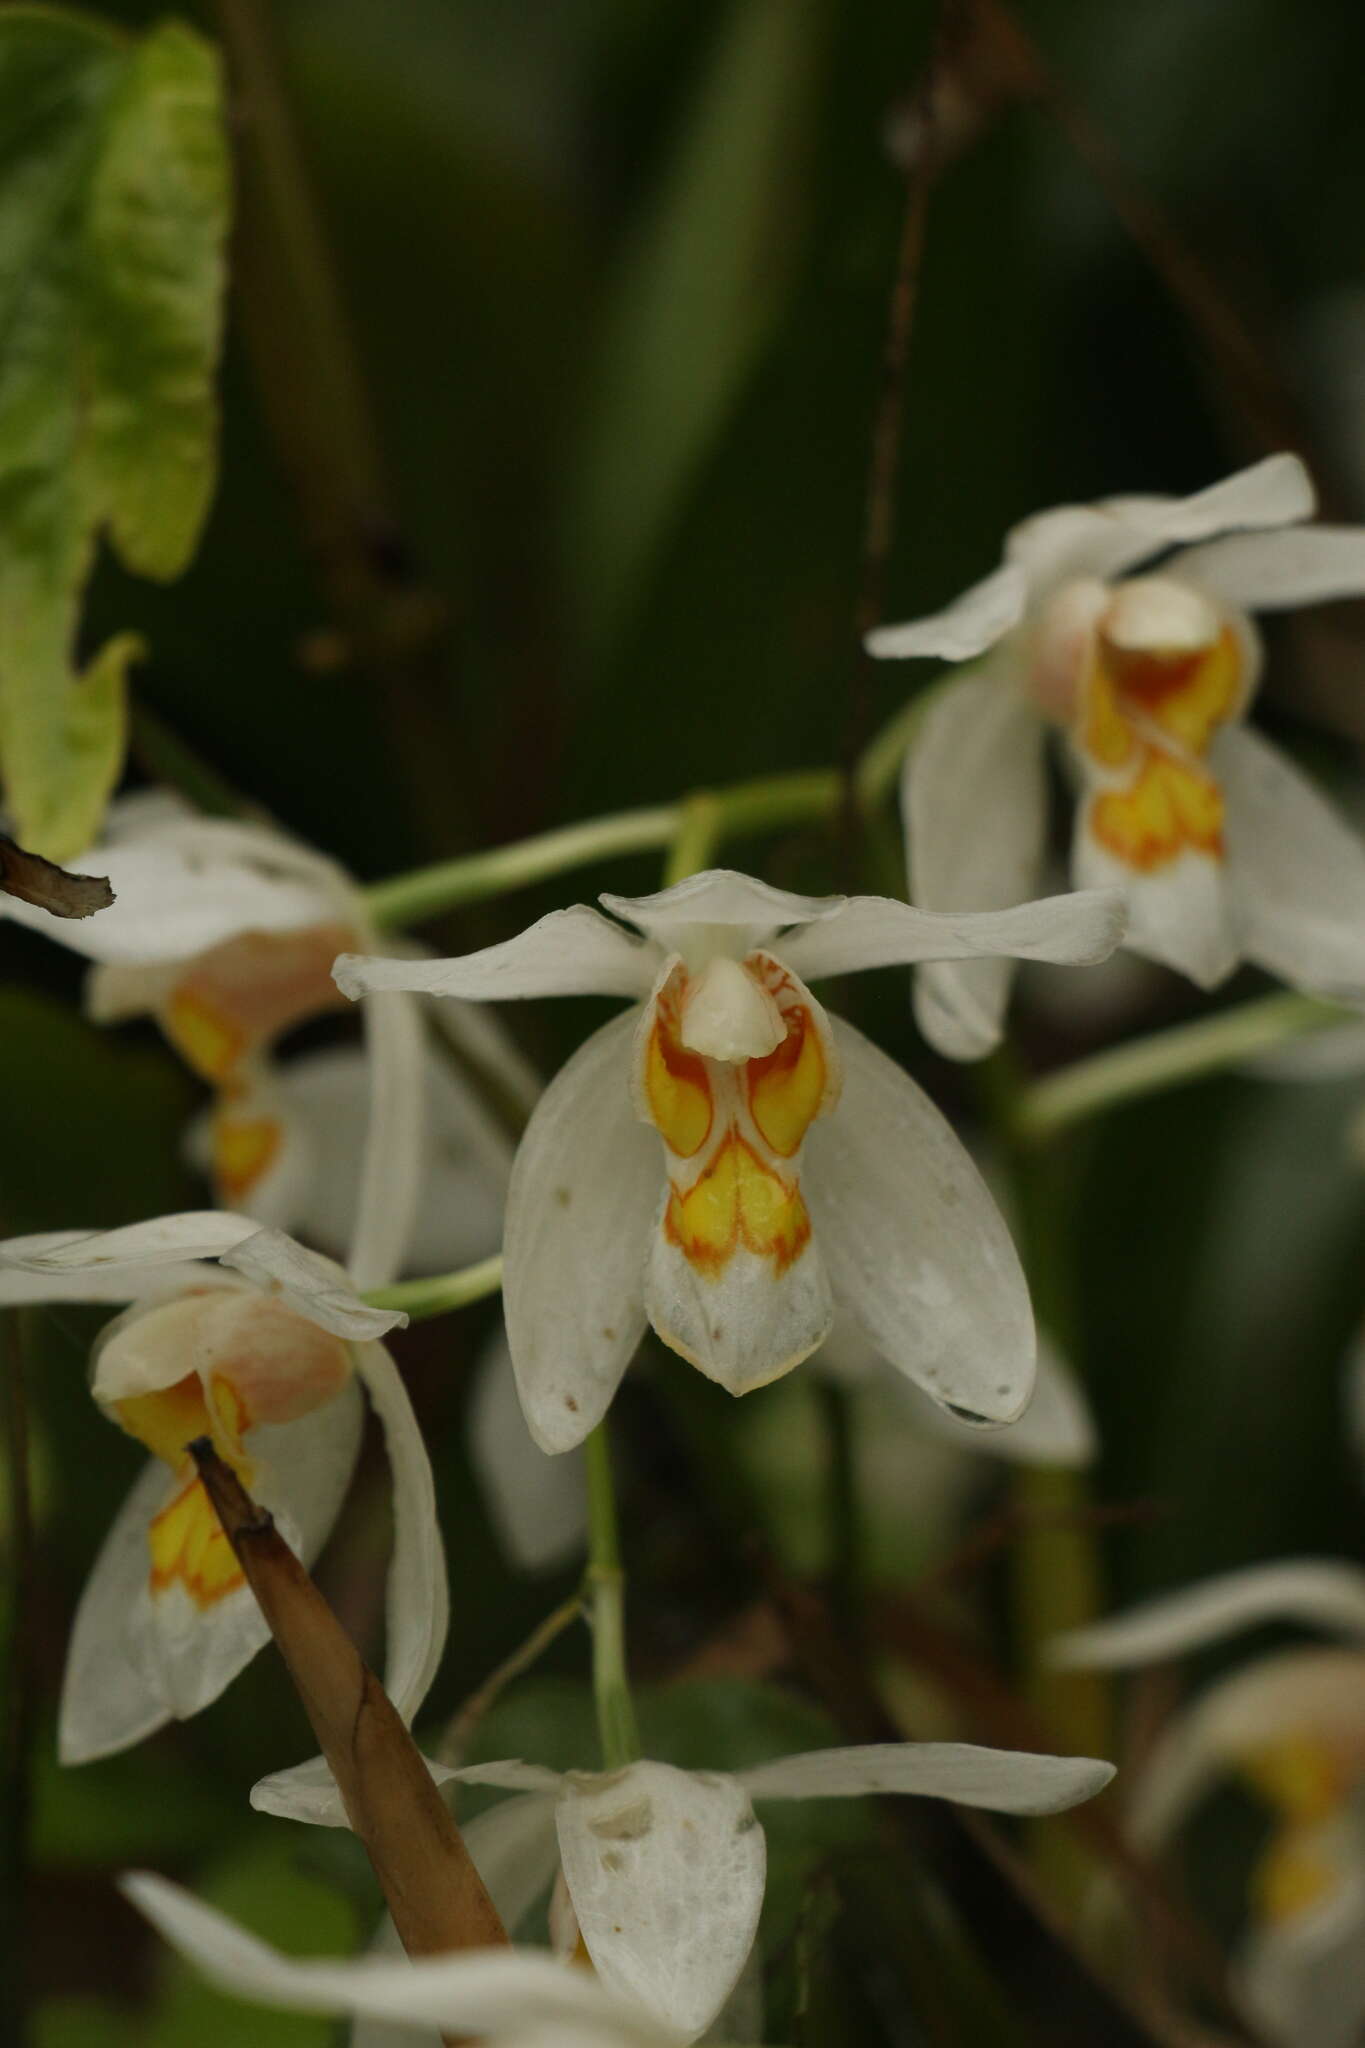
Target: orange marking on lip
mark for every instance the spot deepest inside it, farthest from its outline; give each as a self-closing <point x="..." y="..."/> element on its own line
<point x="1171" y="806"/>
<point x="676" y="1084"/>
<point x="787" y="1086"/>
<point x="738" y="1202"/>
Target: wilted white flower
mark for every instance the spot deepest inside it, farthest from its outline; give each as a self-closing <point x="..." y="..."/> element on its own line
<point x="265" y="1353"/>
<point x="665" y="1869"/>
<point x="1126" y="625"/>
<point x="665" y="1172"/>
<point x="1292" y="1726"/>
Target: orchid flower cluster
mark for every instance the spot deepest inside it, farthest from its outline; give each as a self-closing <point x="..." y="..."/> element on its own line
<point x="731" y="1164"/>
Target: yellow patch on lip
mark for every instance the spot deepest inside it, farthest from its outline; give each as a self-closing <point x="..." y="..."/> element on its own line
<point x="737" y="1203"/>
<point x="677" y="1086"/>
<point x="186" y="1541"/>
<point x="242" y="994"/>
<point x="1136" y="700"/>
<point x="189" y="1549"/>
<point x="244" y="1148"/>
<point x="1170" y="806"/>
<point x="1303" y="1779"/>
<point x="787" y="1087"/>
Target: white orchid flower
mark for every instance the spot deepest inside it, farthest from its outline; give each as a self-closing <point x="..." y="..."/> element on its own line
<point x="1292" y="1725"/>
<point x="664" y="1869"/>
<point x="265" y="1353"/>
<point x="514" y="1998"/>
<point x="728" y="1063"/>
<point x="1127" y="625"/>
<point x="225" y="932"/>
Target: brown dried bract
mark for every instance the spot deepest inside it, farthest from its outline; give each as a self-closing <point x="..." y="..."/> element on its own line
<point x="35" y="880"/>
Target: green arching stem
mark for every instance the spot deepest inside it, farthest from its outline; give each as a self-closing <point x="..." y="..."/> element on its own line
<point x="700" y="823"/>
<point x="605" y="1588"/>
<point x="1163" y="1059"/>
<point x="437" y="1296"/>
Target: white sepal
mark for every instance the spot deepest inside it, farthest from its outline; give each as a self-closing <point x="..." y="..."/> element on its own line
<point x="1264" y="572"/>
<point x="393" y="1163"/>
<point x="538" y="1503"/>
<point x="965" y="628"/>
<point x="1316" y="1591"/>
<point x="573" y="952"/>
<point x="1001" y="1780"/>
<point x="720" y="897"/>
<point x="582" y="1204"/>
<point x="26" y="1274"/>
<point x="916" y="1248"/>
<point x="314" y="1286"/>
<point x="877" y="931"/>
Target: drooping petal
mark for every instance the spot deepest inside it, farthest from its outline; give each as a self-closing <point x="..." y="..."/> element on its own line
<point x="916" y="1248"/>
<point x="417" y="1612"/>
<point x="1114" y="535"/>
<point x="1296" y="871"/>
<point x="1302" y="1979"/>
<point x="1272" y="571"/>
<point x="719" y="897"/>
<point x="1316" y="1591"/>
<point x="26" y="1277"/>
<point x="1002" y="1780"/>
<point x="665" y="1869"/>
<point x="1179" y="912"/>
<point x="313" y="1285"/>
<point x="1056" y="1428"/>
<point x="876" y="931"/>
<point x="538" y="1503"/>
<point x="1296" y="1695"/>
<point x="573" y="952"/>
<point x="974" y="804"/>
<point x="482" y="1041"/>
<point x="516" y="1852"/>
<point x="185" y="886"/>
<point x="196" y="1234"/>
<point x="501" y="1994"/>
<point x="393" y="1162"/>
<point x="582" y="1204"/>
<point x="141" y="1653"/>
<point x="254" y="1151"/>
<point x="963" y="629"/>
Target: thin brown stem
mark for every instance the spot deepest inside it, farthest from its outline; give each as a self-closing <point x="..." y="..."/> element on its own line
<point x="453" y="1747"/>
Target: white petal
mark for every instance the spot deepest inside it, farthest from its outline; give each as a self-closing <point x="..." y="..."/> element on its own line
<point x="1296" y="871"/>
<point x="917" y="1251"/>
<point x="313" y="1285"/>
<point x="109" y="1700"/>
<point x="967" y="627"/>
<point x="308" y="1792"/>
<point x="24" y="1277"/>
<point x="580" y="1211"/>
<point x="182" y="888"/>
<point x="719" y="896"/>
<point x="196" y="1234"/>
<point x="1180" y="914"/>
<point x="393" y="1162"/>
<point x="974" y="803"/>
<point x="1317" y="1592"/>
<point x="417" y="1613"/>
<point x="497" y="1993"/>
<point x="116" y="990"/>
<point x="877" y="931"/>
<point x="539" y="1504"/>
<point x="1276" y="491"/>
<point x="1302" y="1979"/>
<point x="482" y="1040"/>
<point x="516" y="1853"/>
<point x="665" y="1869"/>
<point x="1265" y="572"/>
<point x="574" y="952"/>
<point x="1002" y="1780"/>
<point x="1295" y="1695"/>
<point x="1056" y="1428"/>
<point x="136" y="1660"/>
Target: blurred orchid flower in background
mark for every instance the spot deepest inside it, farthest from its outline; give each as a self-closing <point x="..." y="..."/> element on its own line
<point x="1291" y="1725"/>
<point x="1126" y="624"/>
<point x="664" y="1869"/>
<point x="515" y="1999"/>
<point x="266" y="1353"/>
<point x="728" y="1059"/>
